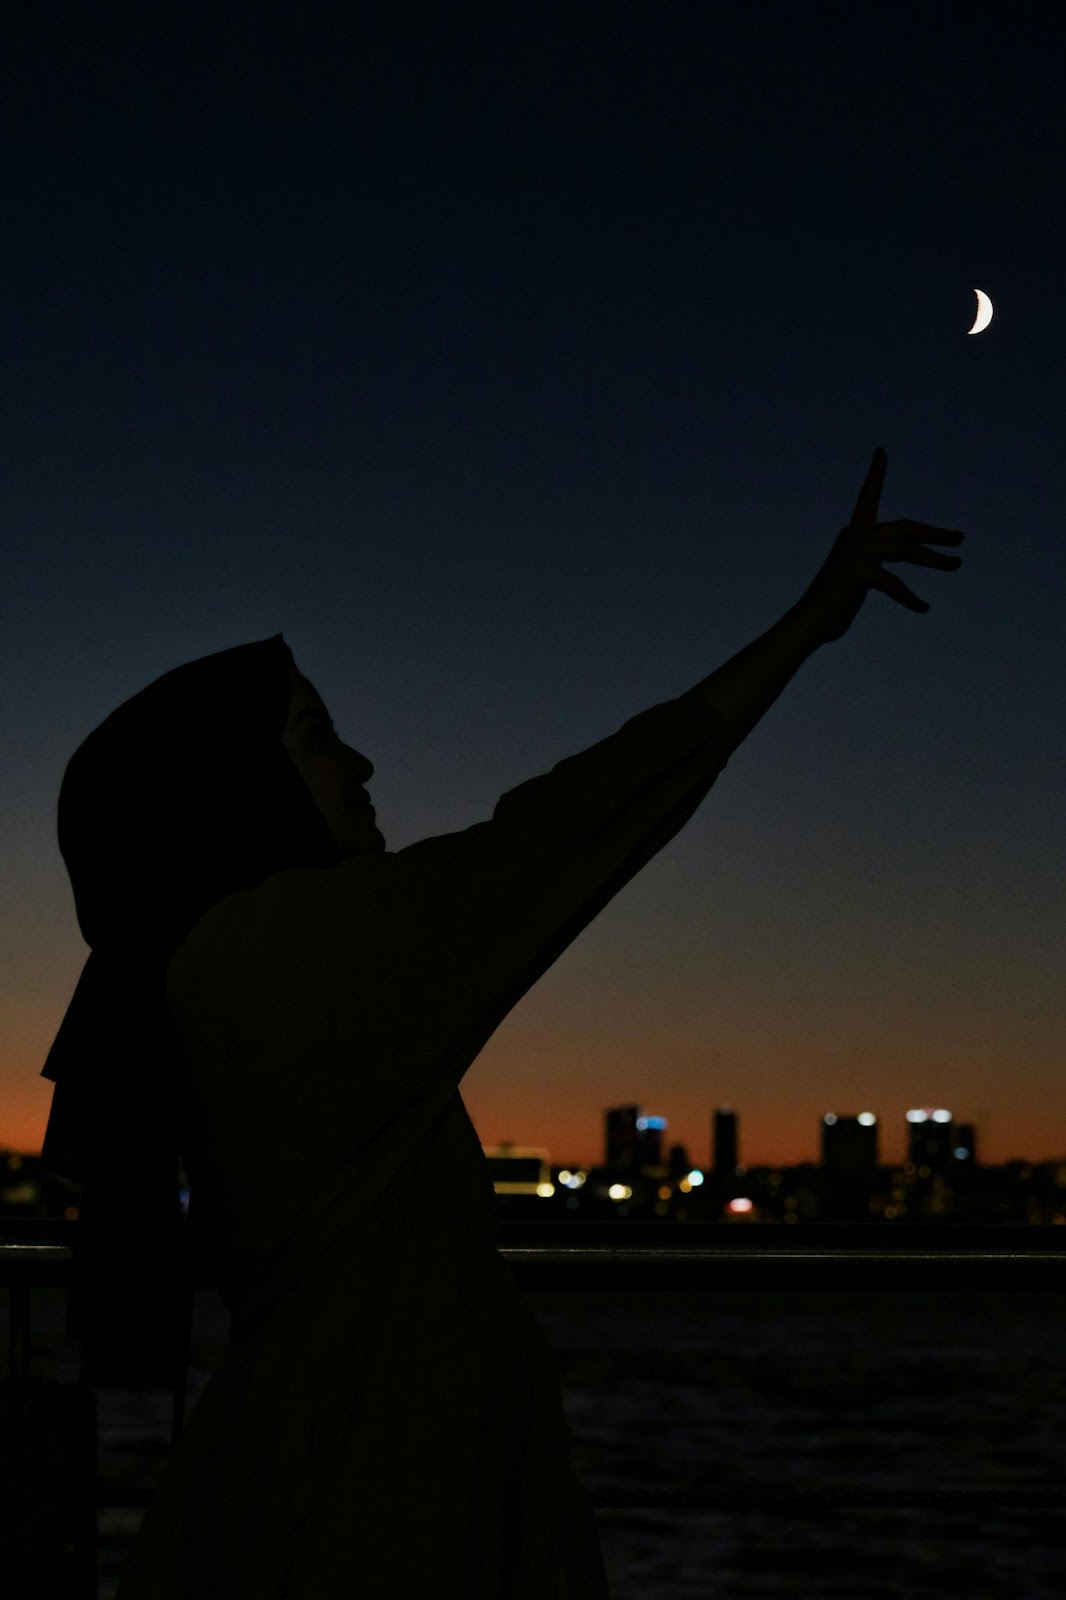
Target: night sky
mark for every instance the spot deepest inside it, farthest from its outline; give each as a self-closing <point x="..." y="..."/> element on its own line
<point x="520" y="363"/>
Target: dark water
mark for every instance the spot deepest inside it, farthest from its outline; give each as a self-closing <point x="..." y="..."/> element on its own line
<point x="872" y="1390"/>
<point x="866" y="1390"/>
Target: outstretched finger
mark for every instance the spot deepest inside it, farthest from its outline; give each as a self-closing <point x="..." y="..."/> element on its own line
<point x="896" y="589"/>
<point x="904" y="527"/>
<point x="918" y="556"/>
<point x="865" y="513"/>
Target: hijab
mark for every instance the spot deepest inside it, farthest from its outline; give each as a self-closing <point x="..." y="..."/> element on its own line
<point x="182" y="795"/>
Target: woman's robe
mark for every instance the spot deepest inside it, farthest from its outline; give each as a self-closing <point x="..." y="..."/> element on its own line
<point x="388" y="1420"/>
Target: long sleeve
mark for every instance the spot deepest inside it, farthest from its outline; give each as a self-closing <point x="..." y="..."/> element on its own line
<point x="502" y="900"/>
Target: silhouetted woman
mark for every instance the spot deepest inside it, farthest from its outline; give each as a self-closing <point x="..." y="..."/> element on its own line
<point x="292" y="1007"/>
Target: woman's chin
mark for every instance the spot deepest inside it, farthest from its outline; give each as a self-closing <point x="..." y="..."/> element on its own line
<point x="363" y="837"/>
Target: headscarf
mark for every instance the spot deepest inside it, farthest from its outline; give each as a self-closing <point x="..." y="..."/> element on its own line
<point x="184" y="794"/>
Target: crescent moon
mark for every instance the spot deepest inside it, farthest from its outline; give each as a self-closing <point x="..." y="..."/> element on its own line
<point x="984" y="312"/>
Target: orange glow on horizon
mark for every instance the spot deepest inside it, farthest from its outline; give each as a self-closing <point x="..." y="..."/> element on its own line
<point x="513" y="1089"/>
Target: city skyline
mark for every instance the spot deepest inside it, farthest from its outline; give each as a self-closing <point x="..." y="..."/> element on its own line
<point x="969" y="1131"/>
<point x="910" y="1116"/>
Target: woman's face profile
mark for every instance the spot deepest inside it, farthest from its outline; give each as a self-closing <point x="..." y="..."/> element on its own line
<point x="334" y="773"/>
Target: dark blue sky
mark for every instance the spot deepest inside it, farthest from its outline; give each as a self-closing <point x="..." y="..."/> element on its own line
<point x="520" y="363"/>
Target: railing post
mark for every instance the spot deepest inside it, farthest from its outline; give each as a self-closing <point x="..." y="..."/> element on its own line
<point x="49" y="1469"/>
<point x="19" y="1298"/>
<point x="181" y="1374"/>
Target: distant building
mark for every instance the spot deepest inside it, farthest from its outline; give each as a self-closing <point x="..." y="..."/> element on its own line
<point x="724" y="1145"/>
<point x="849" y="1144"/>
<point x="930" y="1139"/>
<point x="634" y="1140"/>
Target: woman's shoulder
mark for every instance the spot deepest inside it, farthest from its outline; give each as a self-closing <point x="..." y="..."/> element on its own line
<point x="246" y="920"/>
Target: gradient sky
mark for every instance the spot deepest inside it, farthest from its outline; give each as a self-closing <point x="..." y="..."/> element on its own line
<point x="520" y="364"/>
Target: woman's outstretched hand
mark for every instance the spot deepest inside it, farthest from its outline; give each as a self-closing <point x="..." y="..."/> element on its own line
<point x="853" y="565"/>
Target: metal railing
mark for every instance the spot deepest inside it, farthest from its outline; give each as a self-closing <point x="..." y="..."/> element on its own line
<point x="579" y="1256"/>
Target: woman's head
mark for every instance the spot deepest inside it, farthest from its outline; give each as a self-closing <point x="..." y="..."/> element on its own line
<point x="188" y="791"/>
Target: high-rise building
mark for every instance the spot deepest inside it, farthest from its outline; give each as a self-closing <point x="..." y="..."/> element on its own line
<point x="931" y="1138"/>
<point x="849" y="1144"/>
<point x="622" y="1153"/>
<point x="964" y="1149"/>
<point x="634" y="1139"/>
<point x="724" y="1143"/>
<point x="678" y="1162"/>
